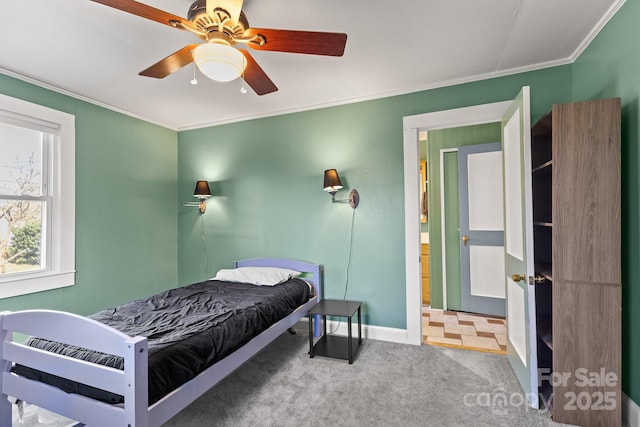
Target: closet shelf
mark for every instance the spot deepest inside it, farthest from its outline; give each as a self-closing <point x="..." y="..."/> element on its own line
<point x="544" y="270"/>
<point x="545" y="167"/>
<point x="543" y="224"/>
<point x="544" y="332"/>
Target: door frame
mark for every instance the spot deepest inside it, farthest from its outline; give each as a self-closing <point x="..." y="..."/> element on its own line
<point x="443" y="225"/>
<point x="412" y="125"/>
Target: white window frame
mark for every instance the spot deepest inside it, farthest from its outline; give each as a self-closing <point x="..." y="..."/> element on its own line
<point x="60" y="247"/>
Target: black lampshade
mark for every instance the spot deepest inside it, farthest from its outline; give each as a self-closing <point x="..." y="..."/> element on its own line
<point x="331" y="180"/>
<point x="202" y="190"/>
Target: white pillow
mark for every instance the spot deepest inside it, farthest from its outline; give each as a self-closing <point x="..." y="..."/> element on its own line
<point x="261" y="276"/>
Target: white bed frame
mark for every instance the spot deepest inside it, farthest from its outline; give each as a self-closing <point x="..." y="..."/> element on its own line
<point x="132" y="381"/>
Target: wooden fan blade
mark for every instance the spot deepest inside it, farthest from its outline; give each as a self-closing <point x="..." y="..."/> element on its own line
<point x="255" y="76"/>
<point x="145" y="11"/>
<point x="233" y="7"/>
<point x="171" y="63"/>
<point x="294" y="41"/>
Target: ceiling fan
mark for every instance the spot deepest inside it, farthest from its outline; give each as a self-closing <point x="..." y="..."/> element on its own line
<point x="222" y="24"/>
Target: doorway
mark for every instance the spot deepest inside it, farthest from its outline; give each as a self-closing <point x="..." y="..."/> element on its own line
<point x="465" y="188"/>
<point x="481" y="114"/>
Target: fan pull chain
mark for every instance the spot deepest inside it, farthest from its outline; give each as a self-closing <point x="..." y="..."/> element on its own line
<point x="243" y="89"/>
<point x="193" y="80"/>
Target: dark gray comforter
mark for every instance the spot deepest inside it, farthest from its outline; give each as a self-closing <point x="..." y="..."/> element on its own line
<point x="188" y="329"/>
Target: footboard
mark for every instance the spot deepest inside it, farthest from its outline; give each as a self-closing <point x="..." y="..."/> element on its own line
<point x="80" y="331"/>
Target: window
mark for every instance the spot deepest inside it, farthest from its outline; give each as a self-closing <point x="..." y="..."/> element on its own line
<point x="37" y="198"/>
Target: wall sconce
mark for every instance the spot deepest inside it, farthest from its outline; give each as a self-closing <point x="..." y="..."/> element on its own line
<point x="332" y="184"/>
<point x="202" y="193"/>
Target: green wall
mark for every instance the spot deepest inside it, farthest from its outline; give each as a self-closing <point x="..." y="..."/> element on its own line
<point x="126" y="211"/>
<point x="439" y="140"/>
<point x="266" y="178"/>
<point x="610" y="67"/>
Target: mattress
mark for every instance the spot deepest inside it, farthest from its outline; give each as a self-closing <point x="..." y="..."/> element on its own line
<point x="188" y="329"/>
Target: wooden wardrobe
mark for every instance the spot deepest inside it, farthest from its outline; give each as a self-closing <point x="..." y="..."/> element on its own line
<point x="576" y="203"/>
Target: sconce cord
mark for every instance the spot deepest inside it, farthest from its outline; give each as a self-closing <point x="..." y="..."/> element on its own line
<point x="204" y="248"/>
<point x="346" y="281"/>
<point x="348" y="272"/>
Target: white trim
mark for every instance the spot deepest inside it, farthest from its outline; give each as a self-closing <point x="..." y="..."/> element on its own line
<point x="464" y="116"/>
<point x="630" y="412"/>
<point x="386" y="94"/>
<point x="61" y="260"/>
<point x="412" y="234"/>
<point x="380" y="333"/>
<point x="443" y="227"/>
<point x="478" y="114"/>
<point x="38" y="282"/>
<point x="77" y="96"/>
<point x="395" y="92"/>
<point x="34" y="123"/>
<point x="595" y="30"/>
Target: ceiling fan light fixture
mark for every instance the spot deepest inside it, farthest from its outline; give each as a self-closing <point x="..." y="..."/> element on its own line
<point x="219" y="62"/>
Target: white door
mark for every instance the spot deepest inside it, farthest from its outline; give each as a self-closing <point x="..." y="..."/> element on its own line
<point x="482" y="285"/>
<point x="518" y="235"/>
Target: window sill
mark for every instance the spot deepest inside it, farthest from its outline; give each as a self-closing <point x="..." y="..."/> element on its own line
<point x="37" y="282"/>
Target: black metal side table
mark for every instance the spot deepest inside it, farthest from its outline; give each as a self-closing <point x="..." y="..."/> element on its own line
<point x="332" y="345"/>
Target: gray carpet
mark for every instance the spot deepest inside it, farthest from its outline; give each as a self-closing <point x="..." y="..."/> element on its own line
<point x="388" y="385"/>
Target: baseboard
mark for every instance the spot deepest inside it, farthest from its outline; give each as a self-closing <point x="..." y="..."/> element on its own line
<point x="630" y="412"/>
<point x="380" y="333"/>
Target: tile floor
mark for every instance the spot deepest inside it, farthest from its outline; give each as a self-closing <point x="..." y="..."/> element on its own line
<point x="464" y="330"/>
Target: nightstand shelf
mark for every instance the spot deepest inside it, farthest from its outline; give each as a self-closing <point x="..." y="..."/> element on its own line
<point x="331" y="345"/>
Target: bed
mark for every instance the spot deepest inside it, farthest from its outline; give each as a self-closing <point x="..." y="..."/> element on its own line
<point x="129" y="380"/>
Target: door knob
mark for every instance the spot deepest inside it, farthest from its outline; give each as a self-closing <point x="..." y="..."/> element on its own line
<point x="465" y="239"/>
<point x="518" y="278"/>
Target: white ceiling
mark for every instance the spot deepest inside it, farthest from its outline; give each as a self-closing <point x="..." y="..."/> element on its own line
<point x="95" y="52"/>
